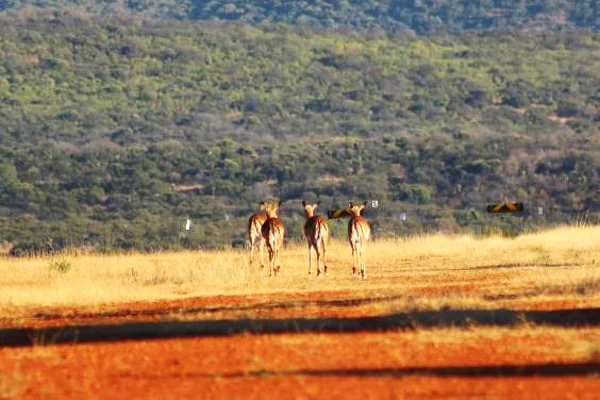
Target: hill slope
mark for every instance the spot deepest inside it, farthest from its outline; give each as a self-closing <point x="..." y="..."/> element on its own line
<point x="431" y="16"/>
<point x="115" y="130"/>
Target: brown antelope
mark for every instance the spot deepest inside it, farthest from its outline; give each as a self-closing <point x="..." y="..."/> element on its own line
<point x="316" y="231"/>
<point x="359" y="232"/>
<point x="255" y="224"/>
<point x="272" y="233"/>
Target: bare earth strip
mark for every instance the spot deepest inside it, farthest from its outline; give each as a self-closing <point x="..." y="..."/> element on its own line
<point x="448" y="363"/>
<point x="137" y="353"/>
<point x="438" y="317"/>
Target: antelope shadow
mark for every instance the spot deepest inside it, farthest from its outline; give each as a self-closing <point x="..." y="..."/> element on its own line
<point x="14" y="337"/>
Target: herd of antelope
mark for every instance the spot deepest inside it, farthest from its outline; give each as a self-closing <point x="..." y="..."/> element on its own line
<point x="266" y="229"/>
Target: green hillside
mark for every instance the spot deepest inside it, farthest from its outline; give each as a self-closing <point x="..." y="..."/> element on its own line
<point x="418" y="16"/>
<point x="115" y="130"/>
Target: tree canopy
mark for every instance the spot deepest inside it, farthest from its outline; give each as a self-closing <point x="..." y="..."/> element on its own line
<point x="114" y="130"/>
<point x="418" y="16"/>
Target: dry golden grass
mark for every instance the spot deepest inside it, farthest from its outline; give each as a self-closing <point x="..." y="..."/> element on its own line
<point x="428" y="271"/>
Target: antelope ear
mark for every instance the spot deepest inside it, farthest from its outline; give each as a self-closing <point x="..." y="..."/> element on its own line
<point x="303" y="203"/>
<point x="350" y="204"/>
<point x="365" y="203"/>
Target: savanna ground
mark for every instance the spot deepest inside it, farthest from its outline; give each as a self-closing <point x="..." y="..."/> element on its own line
<point x="440" y="316"/>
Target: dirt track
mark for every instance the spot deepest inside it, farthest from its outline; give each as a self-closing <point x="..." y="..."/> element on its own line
<point x="311" y="345"/>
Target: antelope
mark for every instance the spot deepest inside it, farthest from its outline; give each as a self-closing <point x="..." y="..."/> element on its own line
<point x="316" y="231"/>
<point x="255" y="224"/>
<point x="359" y="232"/>
<point x="272" y="233"/>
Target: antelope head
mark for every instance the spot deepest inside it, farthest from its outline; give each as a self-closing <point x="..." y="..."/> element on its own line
<point x="356" y="208"/>
<point x="309" y="208"/>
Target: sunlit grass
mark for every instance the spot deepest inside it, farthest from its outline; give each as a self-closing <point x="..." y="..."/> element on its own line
<point x="428" y="271"/>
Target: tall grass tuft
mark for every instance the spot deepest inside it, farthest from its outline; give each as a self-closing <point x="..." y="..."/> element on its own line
<point x="63" y="266"/>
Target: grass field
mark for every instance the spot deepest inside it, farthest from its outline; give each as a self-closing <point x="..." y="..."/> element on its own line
<point x="562" y="262"/>
<point x="448" y="316"/>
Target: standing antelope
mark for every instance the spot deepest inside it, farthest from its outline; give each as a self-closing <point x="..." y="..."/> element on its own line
<point x="359" y="232"/>
<point x="255" y="224"/>
<point x="316" y="231"/>
<point x="272" y="233"/>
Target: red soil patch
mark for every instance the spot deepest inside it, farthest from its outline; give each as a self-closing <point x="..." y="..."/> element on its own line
<point x="366" y="365"/>
<point x="492" y="362"/>
<point x="332" y="304"/>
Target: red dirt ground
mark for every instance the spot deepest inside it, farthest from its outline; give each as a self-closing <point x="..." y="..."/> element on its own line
<point x="449" y="363"/>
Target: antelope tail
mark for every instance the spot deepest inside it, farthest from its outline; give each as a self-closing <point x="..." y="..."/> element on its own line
<point x="321" y="228"/>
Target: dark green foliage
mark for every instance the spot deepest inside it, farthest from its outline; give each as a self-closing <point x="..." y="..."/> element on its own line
<point x="422" y="17"/>
<point x="115" y="130"/>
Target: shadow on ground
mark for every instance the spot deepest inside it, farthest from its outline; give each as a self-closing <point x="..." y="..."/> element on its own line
<point x="547" y="370"/>
<point x="12" y="337"/>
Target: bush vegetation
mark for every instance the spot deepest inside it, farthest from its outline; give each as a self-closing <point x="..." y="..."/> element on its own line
<point x="115" y="129"/>
<point x="414" y="16"/>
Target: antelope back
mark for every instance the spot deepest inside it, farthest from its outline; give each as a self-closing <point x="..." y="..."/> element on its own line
<point x="316" y="228"/>
<point x="255" y="223"/>
<point x="358" y="227"/>
<point x="273" y="231"/>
